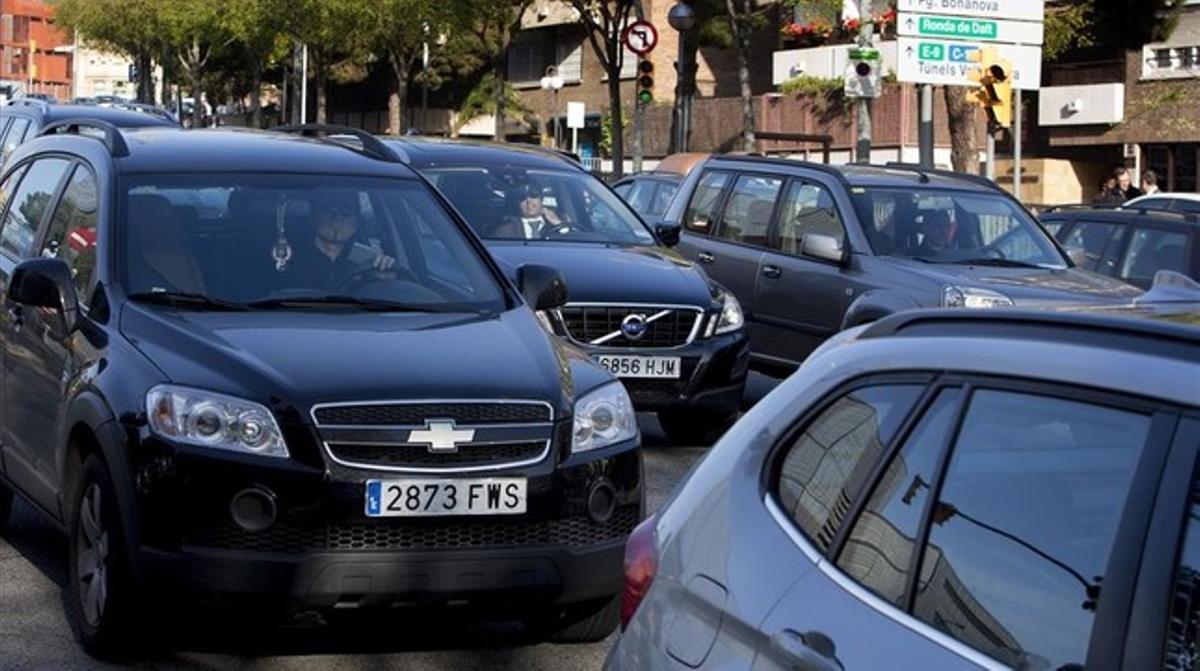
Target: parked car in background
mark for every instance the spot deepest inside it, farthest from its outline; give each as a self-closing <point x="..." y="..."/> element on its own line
<point x="317" y="392"/>
<point x="1129" y="244"/>
<point x="24" y="118"/>
<point x="1172" y="202"/>
<point x="943" y="489"/>
<point x="810" y="249"/>
<point x="674" y="337"/>
<point x="649" y="193"/>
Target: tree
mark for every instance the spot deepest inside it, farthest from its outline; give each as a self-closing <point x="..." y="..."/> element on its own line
<point x="604" y="22"/>
<point x="482" y="100"/>
<point x="132" y="28"/>
<point x="744" y="20"/>
<point x="258" y="28"/>
<point x="495" y="23"/>
<point x="398" y="31"/>
<point x="195" y="28"/>
<point x="331" y="29"/>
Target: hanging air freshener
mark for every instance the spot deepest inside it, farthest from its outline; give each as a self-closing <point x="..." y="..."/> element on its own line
<point x="282" y="251"/>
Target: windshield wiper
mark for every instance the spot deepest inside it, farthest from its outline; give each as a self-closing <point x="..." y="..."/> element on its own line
<point x="336" y="300"/>
<point x="1001" y="263"/>
<point x="185" y="299"/>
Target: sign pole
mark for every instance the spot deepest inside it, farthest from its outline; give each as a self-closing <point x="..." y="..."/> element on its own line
<point x="862" y="148"/>
<point x="991" y="152"/>
<point x="925" y="129"/>
<point x="639" y="119"/>
<point x="1017" y="144"/>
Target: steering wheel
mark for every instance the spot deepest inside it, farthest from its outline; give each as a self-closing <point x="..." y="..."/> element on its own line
<point x="361" y="277"/>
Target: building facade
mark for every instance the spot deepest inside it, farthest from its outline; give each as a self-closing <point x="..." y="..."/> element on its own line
<point x="33" y="51"/>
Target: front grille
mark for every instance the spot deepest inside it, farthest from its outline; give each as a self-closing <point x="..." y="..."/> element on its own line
<point x="420" y="456"/>
<point x="421" y="534"/>
<point x="415" y="414"/>
<point x="586" y="324"/>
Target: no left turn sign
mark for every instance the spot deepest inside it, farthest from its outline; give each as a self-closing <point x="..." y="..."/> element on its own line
<point x="640" y="37"/>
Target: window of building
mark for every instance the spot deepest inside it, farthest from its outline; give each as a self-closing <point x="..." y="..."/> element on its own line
<point x="525" y="58"/>
<point x="1171" y="61"/>
<point x="568" y="52"/>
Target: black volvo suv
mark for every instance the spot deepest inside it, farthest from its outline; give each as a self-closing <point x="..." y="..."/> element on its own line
<point x="653" y="318"/>
<point x="244" y="367"/>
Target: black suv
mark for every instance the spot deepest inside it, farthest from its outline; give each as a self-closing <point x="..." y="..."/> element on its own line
<point x="1131" y="244"/>
<point x="254" y="367"/>
<point x="811" y="249"/>
<point x="22" y="119"/>
<point x="675" y="338"/>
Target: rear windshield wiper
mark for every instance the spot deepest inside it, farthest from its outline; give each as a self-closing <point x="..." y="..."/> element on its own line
<point x="185" y="299"/>
<point x="370" y="304"/>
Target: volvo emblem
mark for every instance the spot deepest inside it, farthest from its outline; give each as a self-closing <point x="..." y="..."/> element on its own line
<point x="634" y="326"/>
<point x="441" y="436"/>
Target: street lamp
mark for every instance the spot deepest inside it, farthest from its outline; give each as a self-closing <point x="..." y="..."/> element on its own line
<point x="554" y="82"/>
<point x="683" y="19"/>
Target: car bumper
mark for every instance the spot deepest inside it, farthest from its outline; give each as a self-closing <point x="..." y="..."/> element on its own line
<point x="321" y="550"/>
<point x="712" y="380"/>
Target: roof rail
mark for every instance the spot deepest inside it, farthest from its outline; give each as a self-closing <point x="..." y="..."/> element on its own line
<point x="970" y="321"/>
<point x="913" y="167"/>
<point x="371" y="145"/>
<point x="30" y="102"/>
<point x="792" y="162"/>
<point x="112" y="137"/>
<point x="154" y="110"/>
<point x="1141" y="211"/>
<point x="1077" y="206"/>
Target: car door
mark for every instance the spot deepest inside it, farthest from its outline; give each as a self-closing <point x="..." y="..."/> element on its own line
<point x="982" y="545"/>
<point x="742" y="228"/>
<point x="31" y="381"/>
<point x="801" y="300"/>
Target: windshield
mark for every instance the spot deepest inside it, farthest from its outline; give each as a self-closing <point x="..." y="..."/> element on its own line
<point x="512" y="203"/>
<point x="290" y="240"/>
<point x="944" y="226"/>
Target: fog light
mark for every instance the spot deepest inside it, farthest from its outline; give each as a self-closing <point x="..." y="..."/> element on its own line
<point x="602" y="500"/>
<point x="253" y="509"/>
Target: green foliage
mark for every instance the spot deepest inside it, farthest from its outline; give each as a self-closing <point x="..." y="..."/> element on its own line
<point x="814" y="9"/>
<point x="1115" y="25"/>
<point x="808" y="85"/>
<point x="606" y="133"/>
<point x="481" y="101"/>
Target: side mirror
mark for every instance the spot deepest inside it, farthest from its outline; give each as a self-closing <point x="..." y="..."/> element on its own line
<point x="542" y="287"/>
<point x="46" y="283"/>
<point x="1078" y="256"/>
<point x="668" y="233"/>
<point x="824" y="247"/>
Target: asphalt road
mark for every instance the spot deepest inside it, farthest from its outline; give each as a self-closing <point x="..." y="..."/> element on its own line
<point x="34" y="633"/>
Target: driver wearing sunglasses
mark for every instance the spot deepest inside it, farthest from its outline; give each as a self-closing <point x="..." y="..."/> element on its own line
<point x="335" y="257"/>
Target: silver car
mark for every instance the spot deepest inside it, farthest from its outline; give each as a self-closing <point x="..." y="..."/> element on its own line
<point x="942" y="489"/>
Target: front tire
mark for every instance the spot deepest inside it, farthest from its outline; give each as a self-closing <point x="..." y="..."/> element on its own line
<point x="694" y="428"/>
<point x="102" y="597"/>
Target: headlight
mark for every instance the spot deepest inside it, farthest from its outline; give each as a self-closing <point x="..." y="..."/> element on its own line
<point x="731" y="318"/>
<point x="602" y="418"/>
<point x="213" y="420"/>
<point x="971" y="297"/>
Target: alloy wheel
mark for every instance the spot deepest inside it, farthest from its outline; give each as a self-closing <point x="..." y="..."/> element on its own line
<point x="92" y="558"/>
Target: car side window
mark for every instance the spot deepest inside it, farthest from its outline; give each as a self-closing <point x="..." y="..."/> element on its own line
<point x="1152" y="250"/>
<point x="621" y="190"/>
<point x="747" y="215"/>
<point x="1153" y="204"/>
<point x="826" y="466"/>
<point x="8" y="186"/>
<point x="807" y="208"/>
<point x="1182" y="646"/>
<point x="1099" y="242"/>
<point x="29" y="205"/>
<point x="639" y="195"/>
<point x="1053" y="227"/>
<point x="1024" y="525"/>
<point x="879" y="549"/>
<point x="1188" y="206"/>
<point x="702" y="211"/>
<point x="72" y="233"/>
<point x="16" y="133"/>
<point x="662" y="198"/>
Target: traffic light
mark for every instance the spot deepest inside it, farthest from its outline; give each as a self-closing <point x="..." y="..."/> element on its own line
<point x="645" y="82"/>
<point x="995" y="86"/>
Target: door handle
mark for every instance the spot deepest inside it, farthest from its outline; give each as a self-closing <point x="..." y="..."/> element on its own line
<point x="773" y="272"/>
<point x="705" y="257"/>
<point x="17" y="316"/>
<point x="810" y="651"/>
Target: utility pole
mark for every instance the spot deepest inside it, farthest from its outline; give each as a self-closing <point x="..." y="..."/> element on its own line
<point x="865" y="29"/>
<point x="1017" y="144"/>
<point x="925" y="129"/>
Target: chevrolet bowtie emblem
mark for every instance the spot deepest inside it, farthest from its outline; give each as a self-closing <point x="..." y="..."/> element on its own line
<point x="440" y="435"/>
